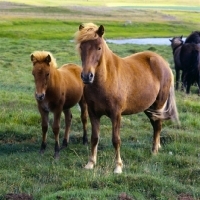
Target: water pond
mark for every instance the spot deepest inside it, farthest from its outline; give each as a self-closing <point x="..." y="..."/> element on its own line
<point x="155" y="41"/>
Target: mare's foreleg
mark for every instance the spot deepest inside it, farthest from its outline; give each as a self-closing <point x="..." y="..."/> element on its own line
<point x="56" y="129"/>
<point x="44" y="124"/>
<point x="116" y="120"/>
<point x="84" y="117"/>
<point x="95" y="122"/>
<point x="68" y="121"/>
<point x="157" y="126"/>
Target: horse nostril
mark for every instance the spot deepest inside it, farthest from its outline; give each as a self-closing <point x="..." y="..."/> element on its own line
<point x="40" y="97"/>
<point x="91" y="75"/>
<point x="82" y="76"/>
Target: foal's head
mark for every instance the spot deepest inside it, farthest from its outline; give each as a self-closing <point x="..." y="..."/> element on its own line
<point x="41" y="71"/>
<point x="90" y="46"/>
<point x="176" y="41"/>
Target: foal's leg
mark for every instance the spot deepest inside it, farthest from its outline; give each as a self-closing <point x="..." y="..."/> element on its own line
<point x="116" y="120"/>
<point x="56" y="129"/>
<point x="157" y="126"/>
<point x="95" y="122"/>
<point x="68" y="120"/>
<point x="45" y="121"/>
<point x="84" y="117"/>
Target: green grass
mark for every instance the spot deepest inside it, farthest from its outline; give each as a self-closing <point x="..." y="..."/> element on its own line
<point x="174" y="172"/>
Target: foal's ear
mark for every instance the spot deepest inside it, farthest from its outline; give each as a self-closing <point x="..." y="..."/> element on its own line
<point x="33" y="59"/>
<point x="181" y="36"/>
<point x="170" y="40"/>
<point x="48" y="59"/>
<point x="81" y="27"/>
<point x="100" y="31"/>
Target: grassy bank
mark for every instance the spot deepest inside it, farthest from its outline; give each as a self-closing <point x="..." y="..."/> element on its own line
<point x="172" y="174"/>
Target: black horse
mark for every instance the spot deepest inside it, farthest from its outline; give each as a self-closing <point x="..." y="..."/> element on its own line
<point x="194" y="37"/>
<point x="187" y="59"/>
<point x="176" y="44"/>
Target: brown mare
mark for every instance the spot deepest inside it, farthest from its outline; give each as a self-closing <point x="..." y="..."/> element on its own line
<point x="57" y="90"/>
<point x="122" y="86"/>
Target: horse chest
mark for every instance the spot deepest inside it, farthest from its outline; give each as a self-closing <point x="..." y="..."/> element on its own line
<point x="101" y="103"/>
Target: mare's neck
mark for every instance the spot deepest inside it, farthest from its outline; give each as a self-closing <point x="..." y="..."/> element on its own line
<point x="108" y="67"/>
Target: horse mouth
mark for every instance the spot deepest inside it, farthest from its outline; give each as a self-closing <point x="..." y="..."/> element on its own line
<point x="87" y="82"/>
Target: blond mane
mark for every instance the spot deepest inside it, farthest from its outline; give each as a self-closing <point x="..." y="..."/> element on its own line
<point x="41" y="55"/>
<point x="88" y="32"/>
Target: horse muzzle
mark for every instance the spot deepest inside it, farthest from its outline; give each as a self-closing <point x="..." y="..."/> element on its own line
<point x="40" y="97"/>
<point x="87" y="78"/>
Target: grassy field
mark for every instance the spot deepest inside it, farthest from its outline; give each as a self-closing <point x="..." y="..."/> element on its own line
<point x="172" y="174"/>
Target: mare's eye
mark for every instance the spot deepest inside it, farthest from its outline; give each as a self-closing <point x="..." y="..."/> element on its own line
<point x="99" y="48"/>
<point x="47" y="74"/>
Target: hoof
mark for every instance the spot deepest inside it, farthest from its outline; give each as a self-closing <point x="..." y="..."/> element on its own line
<point x="85" y="141"/>
<point x="41" y="152"/>
<point x="90" y="165"/>
<point x="118" y="170"/>
<point x="64" y="144"/>
<point x="56" y="156"/>
<point x="155" y="149"/>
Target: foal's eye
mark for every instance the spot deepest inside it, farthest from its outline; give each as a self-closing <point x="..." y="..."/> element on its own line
<point x="47" y="74"/>
<point x="99" y="48"/>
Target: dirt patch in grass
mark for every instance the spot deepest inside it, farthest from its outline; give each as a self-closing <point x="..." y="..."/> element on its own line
<point x="23" y="196"/>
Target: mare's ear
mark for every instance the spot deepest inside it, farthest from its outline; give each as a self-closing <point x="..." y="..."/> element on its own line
<point x="48" y="59"/>
<point x="100" y="31"/>
<point x="181" y="36"/>
<point x="170" y="40"/>
<point x="81" y="27"/>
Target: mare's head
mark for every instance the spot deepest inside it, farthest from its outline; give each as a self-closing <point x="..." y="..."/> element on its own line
<point x="42" y="61"/>
<point x="176" y="42"/>
<point x="194" y="37"/>
<point x="89" y="39"/>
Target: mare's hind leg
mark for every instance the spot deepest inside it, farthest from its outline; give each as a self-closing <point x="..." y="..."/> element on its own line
<point x="157" y="126"/>
<point x="68" y="120"/>
<point x="45" y="120"/>
<point x="84" y="117"/>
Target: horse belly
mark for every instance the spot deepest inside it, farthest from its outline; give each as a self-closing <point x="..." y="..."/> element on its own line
<point x="139" y="104"/>
<point x="141" y="97"/>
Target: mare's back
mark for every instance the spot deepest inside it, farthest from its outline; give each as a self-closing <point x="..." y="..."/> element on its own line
<point x="141" y="61"/>
<point x="71" y="73"/>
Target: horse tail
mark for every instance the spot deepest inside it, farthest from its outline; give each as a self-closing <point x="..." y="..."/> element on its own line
<point x="169" y="110"/>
